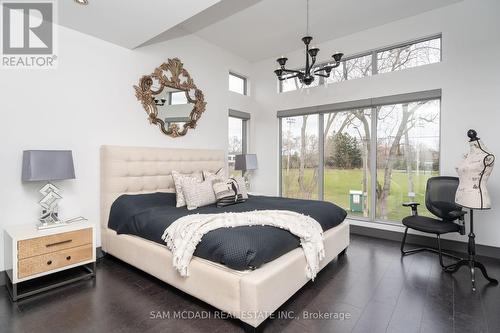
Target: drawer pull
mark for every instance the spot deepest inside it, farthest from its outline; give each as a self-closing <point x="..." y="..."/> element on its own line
<point x="49" y="262"/>
<point x="59" y="243"/>
<point x="68" y="258"/>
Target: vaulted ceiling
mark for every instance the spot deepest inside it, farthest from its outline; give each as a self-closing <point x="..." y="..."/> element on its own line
<point x="253" y="29"/>
<point x="128" y="23"/>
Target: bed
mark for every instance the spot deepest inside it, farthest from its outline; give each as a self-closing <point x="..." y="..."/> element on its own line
<point x="250" y="295"/>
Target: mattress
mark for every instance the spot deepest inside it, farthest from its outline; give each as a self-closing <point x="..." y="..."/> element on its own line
<point x="239" y="248"/>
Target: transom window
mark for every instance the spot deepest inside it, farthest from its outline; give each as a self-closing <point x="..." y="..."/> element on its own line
<point x="384" y="60"/>
<point x="237" y="83"/>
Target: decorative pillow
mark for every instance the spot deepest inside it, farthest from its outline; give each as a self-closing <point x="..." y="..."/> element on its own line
<point x="228" y="192"/>
<point x="223" y="190"/>
<point x="178" y="177"/>
<point x="219" y="175"/>
<point x="242" y="186"/>
<point x="196" y="193"/>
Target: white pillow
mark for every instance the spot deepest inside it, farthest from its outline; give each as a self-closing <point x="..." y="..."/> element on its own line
<point x="219" y="175"/>
<point x="197" y="194"/>
<point x="178" y="177"/>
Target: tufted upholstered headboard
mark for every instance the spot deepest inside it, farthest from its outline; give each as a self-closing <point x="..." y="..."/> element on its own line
<point x="134" y="170"/>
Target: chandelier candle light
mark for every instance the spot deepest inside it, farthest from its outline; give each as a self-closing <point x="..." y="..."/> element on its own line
<point x="307" y="75"/>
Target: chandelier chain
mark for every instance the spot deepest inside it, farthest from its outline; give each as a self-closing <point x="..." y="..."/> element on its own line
<point x="308" y="73"/>
<point x="307" y="19"/>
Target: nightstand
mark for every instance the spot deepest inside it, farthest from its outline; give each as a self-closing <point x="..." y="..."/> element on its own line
<point x="31" y="253"/>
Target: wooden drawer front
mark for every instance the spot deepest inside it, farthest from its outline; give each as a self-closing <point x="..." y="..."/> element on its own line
<point x="47" y="244"/>
<point x="50" y="261"/>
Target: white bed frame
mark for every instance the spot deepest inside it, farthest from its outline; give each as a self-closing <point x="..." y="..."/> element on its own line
<point x="251" y="296"/>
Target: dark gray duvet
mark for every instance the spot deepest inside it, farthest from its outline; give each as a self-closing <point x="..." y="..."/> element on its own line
<point x="240" y="248"/>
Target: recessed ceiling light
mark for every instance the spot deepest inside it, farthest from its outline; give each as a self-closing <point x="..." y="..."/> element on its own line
<point x="82" y="2"/>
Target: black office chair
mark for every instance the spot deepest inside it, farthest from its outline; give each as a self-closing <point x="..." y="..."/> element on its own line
<point x="440" y="201"/>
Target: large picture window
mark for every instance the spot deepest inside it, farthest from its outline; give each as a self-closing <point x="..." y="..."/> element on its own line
<point x="347" y="151"/>
<point x="407" y="155"/>
<point x="370" y="158"/>
<point x="300" y="157"/>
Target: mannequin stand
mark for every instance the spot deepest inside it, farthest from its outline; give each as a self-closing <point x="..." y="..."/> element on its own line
<point x="471" y="260"/>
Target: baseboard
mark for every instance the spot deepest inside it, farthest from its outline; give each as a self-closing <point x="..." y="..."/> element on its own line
<point x="98" y="255"/>
<point x="446" y="244"/>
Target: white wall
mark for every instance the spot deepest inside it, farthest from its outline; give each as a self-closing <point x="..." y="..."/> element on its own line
<point x="469" y="77"/>
<point x="89" y="101"/>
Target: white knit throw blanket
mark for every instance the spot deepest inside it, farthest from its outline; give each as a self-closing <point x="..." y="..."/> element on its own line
<point x="183" y="235"/>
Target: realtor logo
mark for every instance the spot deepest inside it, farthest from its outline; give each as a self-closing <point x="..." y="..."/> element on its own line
<point x="28" y="34"/>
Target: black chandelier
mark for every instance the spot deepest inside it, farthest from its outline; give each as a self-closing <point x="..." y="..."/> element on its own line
<point x="307" y="75"/>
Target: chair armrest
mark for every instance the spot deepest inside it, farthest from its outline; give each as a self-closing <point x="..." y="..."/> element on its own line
<point x="456" y="214"/>
<point x="459" y="215"/>
<point x="413" y="206"/>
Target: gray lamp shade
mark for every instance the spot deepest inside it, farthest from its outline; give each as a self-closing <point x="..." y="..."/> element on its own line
<point x="245" y="162"/>
<point x="47" y="165"/>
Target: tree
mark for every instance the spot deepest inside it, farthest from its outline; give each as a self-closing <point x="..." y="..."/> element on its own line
<point x="408" y="120"/>
<point x="234" y="145"/>
<point x="407" y="56"/>
<point x="306" y="188"/>
<point x="359" y="120"/>
<point x="407" y="153"/>
<point x="344" y="152"/>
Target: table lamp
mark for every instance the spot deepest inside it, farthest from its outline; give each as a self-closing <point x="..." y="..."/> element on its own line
<point x="245" y="162"/>
<point x="47" y="166"/>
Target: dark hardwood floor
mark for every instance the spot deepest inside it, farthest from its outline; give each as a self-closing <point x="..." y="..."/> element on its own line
<point x="380" y="291"/>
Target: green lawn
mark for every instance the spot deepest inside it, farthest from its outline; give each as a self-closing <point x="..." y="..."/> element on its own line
<point x="338" y="183"/>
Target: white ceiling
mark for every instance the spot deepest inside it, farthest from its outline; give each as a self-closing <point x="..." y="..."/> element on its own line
<point x="273" y="27"/>
<point x="128" y="23"/>
<point x="253" y="29"/>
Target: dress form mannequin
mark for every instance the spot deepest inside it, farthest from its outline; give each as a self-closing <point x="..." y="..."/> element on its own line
<point x="473" y="172"/>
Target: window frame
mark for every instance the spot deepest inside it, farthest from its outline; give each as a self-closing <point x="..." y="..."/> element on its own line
<point x="372" y="103"/>
<point x="245" y="83"/>
<point x="245" y="118"/>
<point x="374" y="54"/>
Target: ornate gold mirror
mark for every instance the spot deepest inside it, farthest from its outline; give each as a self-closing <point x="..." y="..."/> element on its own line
<point x="170" y="98"/>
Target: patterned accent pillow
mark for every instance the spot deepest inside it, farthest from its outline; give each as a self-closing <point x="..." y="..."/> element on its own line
<point x="229" y="192"/>
<point x="178" y="177"/>
<point x="219" y="175"/>
<point x="197" y="194"/>
<point x="242" y="186"/>
<point x="223" y="190"/>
